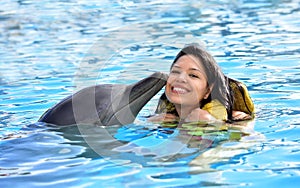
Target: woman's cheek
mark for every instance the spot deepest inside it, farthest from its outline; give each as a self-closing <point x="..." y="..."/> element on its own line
<point x="168" y="84"/>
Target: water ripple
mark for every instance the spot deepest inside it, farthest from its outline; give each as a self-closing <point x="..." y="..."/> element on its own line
<point x="50" y="49"/>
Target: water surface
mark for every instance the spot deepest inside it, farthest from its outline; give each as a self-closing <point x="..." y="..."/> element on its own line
<point x="50" y="49"/>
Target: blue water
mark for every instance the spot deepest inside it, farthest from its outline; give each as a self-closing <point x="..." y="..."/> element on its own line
<point x="50" y="49"/>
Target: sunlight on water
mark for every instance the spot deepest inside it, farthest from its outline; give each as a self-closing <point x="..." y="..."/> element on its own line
<point x="50" y="49"/>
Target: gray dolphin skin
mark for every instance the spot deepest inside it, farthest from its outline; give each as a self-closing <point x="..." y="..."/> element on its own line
<point x="106" y="104"/>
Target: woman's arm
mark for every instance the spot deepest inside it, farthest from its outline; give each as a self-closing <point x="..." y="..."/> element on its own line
<point x="199" y="115"/>
<point x="163" y="117"/>
<point x="240" y="116"/>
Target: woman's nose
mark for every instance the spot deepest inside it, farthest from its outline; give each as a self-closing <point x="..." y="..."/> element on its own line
<point x="182" y="77"/>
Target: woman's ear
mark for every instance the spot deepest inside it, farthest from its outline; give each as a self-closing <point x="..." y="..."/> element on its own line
<point x="208" y="91"/>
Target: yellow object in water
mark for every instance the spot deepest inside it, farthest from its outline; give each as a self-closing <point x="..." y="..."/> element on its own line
<point x="241" y="98"/>
<point x="216" y="109"/>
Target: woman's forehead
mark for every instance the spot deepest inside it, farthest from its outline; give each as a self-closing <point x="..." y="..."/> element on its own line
<point x="188" y="62"/>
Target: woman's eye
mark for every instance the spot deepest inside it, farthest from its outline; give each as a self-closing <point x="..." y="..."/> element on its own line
<point x="194" y="76"/>
<point x="175" y="72"/>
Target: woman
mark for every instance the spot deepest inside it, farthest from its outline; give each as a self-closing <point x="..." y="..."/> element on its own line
<point x="197" y="90"/>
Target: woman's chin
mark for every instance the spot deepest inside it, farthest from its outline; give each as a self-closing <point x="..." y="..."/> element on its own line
<point x="176" y="100"/>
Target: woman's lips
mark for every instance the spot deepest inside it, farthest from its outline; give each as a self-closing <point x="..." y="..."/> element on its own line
<point x="179" y="90"/>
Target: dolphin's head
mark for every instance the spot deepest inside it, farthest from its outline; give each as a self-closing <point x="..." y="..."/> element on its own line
<point x="127" y="102"/>
<point x="106" y="104"/>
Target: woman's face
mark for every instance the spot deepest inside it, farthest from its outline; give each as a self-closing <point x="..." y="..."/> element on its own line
<point x="187" y="82"/>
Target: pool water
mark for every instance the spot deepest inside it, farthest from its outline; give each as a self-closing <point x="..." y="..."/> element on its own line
<point x="50" y="49"/>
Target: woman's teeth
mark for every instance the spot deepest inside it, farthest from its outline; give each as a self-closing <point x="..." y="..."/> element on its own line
<point x="179" y="90"/>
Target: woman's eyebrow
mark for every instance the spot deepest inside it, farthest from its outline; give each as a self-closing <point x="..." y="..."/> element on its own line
<point x="176" y="66"/>
<point x="195" y="69"/>
<point x="192" y="69"/>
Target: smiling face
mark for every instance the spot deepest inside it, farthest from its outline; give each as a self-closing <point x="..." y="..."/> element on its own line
<point x="187" y="83"/>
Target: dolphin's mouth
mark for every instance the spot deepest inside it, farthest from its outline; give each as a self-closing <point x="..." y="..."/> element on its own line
<point x="148" y="87"/>
<point x="124" y="111"/>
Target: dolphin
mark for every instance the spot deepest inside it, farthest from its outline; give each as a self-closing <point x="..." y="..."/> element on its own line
<point x="105" y="104"/>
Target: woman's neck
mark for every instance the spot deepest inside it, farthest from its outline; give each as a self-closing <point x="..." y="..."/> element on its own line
<point x="184" y="111"/>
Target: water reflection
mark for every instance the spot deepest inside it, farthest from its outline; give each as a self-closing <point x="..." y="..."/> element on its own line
<point x="44" y="48"/>
<point x="186" y="151"/>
